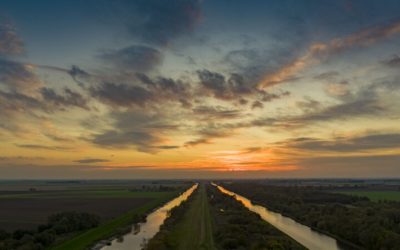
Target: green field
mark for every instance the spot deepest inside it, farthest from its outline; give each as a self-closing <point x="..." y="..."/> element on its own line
<point x="376" y="195"/>
<point x="108" y="229"/>
<point x="117" y="205"/>
<point x="195" y="230"/>
<point x="107" y="193"/>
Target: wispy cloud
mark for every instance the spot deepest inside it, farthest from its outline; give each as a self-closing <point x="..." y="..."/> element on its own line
<point x="318" y="51"/>
<point x="353" y="144"/>
<point x="44" y="147"/>
<point x="91" y="160"/>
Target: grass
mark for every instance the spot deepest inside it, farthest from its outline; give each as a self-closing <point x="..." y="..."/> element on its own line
<point x="108" y="229"/>
<point x="376" y="195"/>
<point x="119" y="193"/>
<point x="195" y="230"/>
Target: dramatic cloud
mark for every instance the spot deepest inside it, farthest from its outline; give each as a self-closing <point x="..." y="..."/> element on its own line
<point x="344" y="111"/>
<point x="136" y="58"/>
<point x="50" y="101"/>
<point x="14" y="101"/>
<point x="148" y="91"/>
<point x="19" y="107"/>
<point x="78" y="75"/>
<point x="70" y="98"/>
<point x="18" y="77"/>
<point x="363" y="103"/>
<point x="122" y="94"/>
<point x="144" y="132"/>
<point x="153" y="77"/>
<point x="318" y="51"/>
<point x="119" y="139"/>
<point x="234" y="88"/>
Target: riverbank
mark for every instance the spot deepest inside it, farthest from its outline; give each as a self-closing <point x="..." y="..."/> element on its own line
<point x="109" y="230"/>
<point x="355" y="222"/>
<point x="301" y="233"/>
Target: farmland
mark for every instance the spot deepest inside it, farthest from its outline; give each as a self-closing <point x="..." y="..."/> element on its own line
<point x="29" y="213"/>
<point x="208" y="219"/>
<point x="27" y="205"/>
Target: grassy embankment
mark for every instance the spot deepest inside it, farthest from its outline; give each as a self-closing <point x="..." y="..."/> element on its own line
<point x="189" y="227"/>
<point x="236" y="227"/>
<point x="109" y="228"/>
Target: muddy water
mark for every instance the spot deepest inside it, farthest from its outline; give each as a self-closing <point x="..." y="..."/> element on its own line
<point x="147" y="230"/>
<point x="304" y="235"/>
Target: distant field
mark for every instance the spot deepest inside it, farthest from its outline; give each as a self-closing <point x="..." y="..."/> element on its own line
<point x="29" y="213"/>
<point x="105" y="193"/>
<point x="376" y="195"/>
<point x="25" y="205"/>
<point x="108" y="228"/>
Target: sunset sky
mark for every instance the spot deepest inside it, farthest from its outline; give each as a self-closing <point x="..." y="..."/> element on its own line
<point x="199" y="89"/>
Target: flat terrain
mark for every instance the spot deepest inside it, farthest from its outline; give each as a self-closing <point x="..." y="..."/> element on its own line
<point x="83" y="194"/>
<point x="211" y="220"/>
<point x="108" y="228"/>
<point x="27" y="204"/>
<point x="188" y="227"/>
<point x="376" y="195"/>
<point x="355" y="221"/>
<point x="29" y="213"/>
<point x="195" y="231"/>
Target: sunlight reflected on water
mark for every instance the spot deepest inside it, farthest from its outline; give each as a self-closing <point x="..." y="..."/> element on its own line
<point x="147" y="230"/>
<point x="302" y="234"/>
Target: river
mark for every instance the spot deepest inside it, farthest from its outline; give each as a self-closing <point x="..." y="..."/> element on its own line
<point x="147" y="230"/>
<point x="304" y="235"/>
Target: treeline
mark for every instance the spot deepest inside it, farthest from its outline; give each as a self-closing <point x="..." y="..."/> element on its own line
<point x="58" y="226"/>
<point x="238" y="228"/>
<point x="354" y="220"/>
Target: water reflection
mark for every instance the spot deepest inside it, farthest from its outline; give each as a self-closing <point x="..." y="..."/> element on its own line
<point x="302" y="234"/>
<point x="145" y="231"/>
